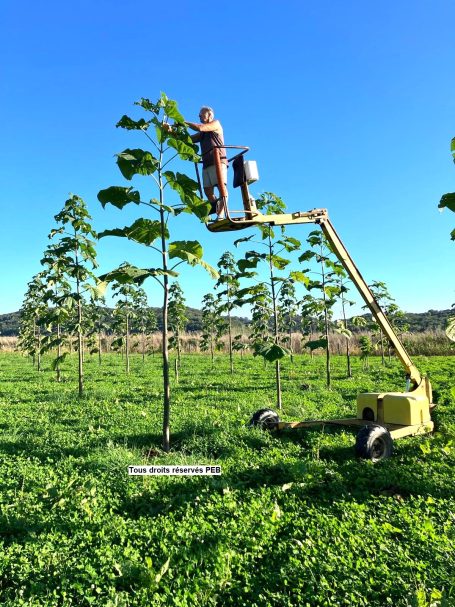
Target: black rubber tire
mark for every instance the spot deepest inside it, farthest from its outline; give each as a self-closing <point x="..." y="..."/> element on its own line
<point x="266" y="419"/>
<point x="374" y="442"/>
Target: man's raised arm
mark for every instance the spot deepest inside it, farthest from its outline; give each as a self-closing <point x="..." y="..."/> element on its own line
<point x="214" y="125"/>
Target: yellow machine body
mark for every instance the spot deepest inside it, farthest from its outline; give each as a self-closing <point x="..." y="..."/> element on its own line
<point x="403" y="408"/>
<point x="402" y="413"/>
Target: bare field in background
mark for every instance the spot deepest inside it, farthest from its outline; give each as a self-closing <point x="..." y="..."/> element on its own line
<point x="428" y="343"/>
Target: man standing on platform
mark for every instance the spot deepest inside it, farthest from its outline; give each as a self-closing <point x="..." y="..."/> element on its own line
<point x="210" y="137"/>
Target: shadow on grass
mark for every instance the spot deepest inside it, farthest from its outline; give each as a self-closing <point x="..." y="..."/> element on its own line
<point x="222" y="386"/>
<point x="324" y="474"/>
<point x="43" y="453"/>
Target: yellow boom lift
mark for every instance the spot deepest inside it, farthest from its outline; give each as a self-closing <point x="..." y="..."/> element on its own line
<point x="381" y="416"/>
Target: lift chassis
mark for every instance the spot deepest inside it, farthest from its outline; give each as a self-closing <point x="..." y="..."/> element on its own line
<point x="381" y="416"/>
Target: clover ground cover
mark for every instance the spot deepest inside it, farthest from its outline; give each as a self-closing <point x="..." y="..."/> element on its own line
<point x="293" y="519"/>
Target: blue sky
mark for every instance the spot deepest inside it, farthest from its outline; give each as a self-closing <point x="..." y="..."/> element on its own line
<point x="345" y="105"/>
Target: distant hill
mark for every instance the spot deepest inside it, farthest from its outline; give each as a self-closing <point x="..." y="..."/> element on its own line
<point x="424" y="321"/>
<point x="9" y="323"/>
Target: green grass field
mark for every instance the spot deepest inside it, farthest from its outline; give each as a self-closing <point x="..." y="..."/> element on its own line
<point x="294" y="519"/>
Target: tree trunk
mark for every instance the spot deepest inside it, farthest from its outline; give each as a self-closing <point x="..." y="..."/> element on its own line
<point x="79" y="329"/>
<point x="381" y="342"/>
<point x="177" y="337"/>
<point x="59" y="353"/>
<point x="39" y="349"/>
<point x="326" y="326"/>
<point x="80" y="345"/>
<point x="278" y="384"/>
<point x="231" y="357"/>
<point x="348" y="353"/>
<point x="275" y="328"/>
<point x="165" y="348"/>
<point x="327" y="357"/>
<point x="127" y="344"/>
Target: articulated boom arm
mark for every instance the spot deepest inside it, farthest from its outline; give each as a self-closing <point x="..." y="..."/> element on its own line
<point x="368" y="297"/>
<point x="320" y="217"/>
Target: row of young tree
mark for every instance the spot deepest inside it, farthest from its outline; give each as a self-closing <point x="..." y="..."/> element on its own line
<point x="64" y="306"/>
<point x="64" y="302"/>
<point x="276" y="308"/>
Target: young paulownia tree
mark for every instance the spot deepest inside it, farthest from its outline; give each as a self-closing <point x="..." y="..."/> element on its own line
<point x="287" y="313"/>
<point x="270" y="349"/>
<point x="129" y="300"/>
<point x="145" y="324"/>
<point x="59" y="309"/>
<point x="383" y="297"/>
<point x="342" y="324"/>
<point x="213" y="325"/>
<point x="96" y="313"/>
<point x="31" y="313"/>
<point x="230" y="284"/>
<point x="155" y="233"/>
<point x="177" y="321"/>
<point x="74" y="258"/>
<point x="325" y="283"/>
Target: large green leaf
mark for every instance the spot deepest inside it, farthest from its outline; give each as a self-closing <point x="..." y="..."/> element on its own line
<point x="186" y="150"/>
<point x="187" y="190"/>
<point x="289" y="243"/>
<point x="58" y="361"/>
<point x="148" y="105"/>
<point x="144" y="231"/>
<point x="270" y="352"/>
<point x="316" y="343"/>
<point x="452" y="148"/>
<point x="181" y="248"/>
<point x="332" y="290"/>
<point x="279" y="262"/>
<point x="448" y="200"/>
<point x="97" y="291"/>
<point x="245" y="239"/>
<point x="200" y="208"/>
<point x="184" y="185"/>
<point x="341" y="329"/>
<point x="118" y="196"/>
<point x="128" y="123"/>
<point x="244" y="264"/>
<point x="136" y="162"/>
<point x="127" y="273"/>
<point x="300" y="277"/>
<point x="171" y="110"/>
<point x="191" y="252"/>
<point x="307" y="256"/>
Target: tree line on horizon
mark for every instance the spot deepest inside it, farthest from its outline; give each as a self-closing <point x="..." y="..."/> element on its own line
<point x="417" y="322"/>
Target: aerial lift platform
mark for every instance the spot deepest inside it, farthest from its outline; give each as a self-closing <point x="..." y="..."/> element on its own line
<point x="381" y="416"/>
